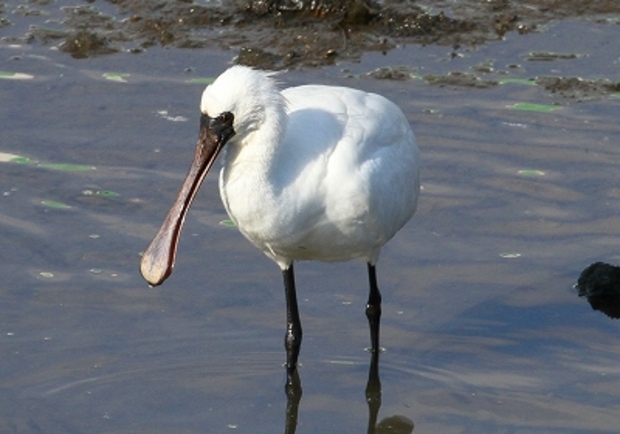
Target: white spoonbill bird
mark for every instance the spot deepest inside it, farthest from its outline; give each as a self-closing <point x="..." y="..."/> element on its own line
<point x="309" y="173"/>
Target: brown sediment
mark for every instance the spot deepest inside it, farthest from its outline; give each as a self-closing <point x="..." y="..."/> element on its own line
<point x="287" y="33"/>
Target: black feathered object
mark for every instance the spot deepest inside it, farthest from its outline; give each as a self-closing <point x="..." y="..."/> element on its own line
<point x="600" y="284"/>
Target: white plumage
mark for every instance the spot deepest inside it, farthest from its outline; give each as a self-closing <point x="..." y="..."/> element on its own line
<point x="309" y="173"/>
<point x="319" y="173"/>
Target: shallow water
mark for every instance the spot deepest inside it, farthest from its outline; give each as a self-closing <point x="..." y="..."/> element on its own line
<point x="482" y="330"/>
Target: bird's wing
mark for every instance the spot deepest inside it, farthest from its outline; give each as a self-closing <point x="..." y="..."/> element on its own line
<point x="364" y="160"/>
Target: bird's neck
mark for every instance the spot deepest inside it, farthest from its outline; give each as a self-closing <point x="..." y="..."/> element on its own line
<point x="255" y="153"/>
<point x="245" y="186"/>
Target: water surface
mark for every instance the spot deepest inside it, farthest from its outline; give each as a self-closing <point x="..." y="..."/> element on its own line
<point x="483" y="332"/>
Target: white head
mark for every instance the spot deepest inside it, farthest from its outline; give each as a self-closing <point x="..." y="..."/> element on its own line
<point x="250" y="95"/>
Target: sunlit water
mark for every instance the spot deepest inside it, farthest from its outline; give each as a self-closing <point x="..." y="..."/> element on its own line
<point x="482" y="330"/>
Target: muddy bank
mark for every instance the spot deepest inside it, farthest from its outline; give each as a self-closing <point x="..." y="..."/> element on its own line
<point x="280" y="33"/>
<point x="277" y="34"/>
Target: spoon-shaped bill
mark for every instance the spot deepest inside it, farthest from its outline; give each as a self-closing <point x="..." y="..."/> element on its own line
<point x="158" y="259"/>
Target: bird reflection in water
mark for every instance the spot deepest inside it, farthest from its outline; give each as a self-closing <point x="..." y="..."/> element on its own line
<point x="599" y="283"/>
<point x="390" y="425"/>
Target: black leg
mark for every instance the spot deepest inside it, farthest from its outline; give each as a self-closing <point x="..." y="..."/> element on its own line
<point x="373" y="309"/>
<point x="292" y="339"/>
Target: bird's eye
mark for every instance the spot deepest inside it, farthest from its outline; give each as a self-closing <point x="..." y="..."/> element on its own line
<point x="225" y="117"/>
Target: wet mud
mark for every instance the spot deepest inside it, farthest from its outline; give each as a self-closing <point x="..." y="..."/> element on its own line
<point x="285" y="33"/>
<point x="278" y="34"/>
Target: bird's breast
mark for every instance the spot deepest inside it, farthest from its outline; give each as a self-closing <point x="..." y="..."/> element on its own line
<point x="337" y="185"/>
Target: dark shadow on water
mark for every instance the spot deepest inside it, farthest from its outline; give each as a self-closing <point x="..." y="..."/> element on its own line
<point x="293" y="397"/>
<point x="599" y="283"/>
<point x="373" y="391"/>
<point x="390" y="425"/>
